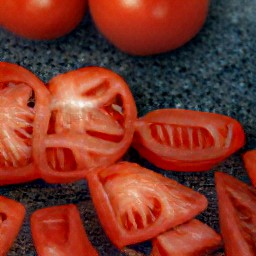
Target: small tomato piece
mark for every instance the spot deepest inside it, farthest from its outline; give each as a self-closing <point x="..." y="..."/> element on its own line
<point x="250" y="165"/>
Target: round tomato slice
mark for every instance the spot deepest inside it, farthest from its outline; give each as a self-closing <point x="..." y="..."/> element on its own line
<point x="23" y="109"/>
<point x="144" y="27"/>
<point x="135" y="204"/>
<point x="186" y="140"/>
<point x="91" y="124"/>
<point x="41" y="19"/>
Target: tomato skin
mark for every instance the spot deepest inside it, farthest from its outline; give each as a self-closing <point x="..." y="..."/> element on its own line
<point x="193" y="238"/>
<point x="14" y="74"/>
<point x="145" y="27"/>
<point x="11" y="215"/>
<point x="91" y="124"/>
<point x="59" y="230"/>
<point x="135" y="204"/>
<point x="41" y="19"/>
<point x="187" y="140"/>
<point x="249" y="159"/>
<point x="237" y="214"/>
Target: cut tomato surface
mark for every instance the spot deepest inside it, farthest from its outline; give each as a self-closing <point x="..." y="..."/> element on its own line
<point x="193" y="238"/>
<point x="58" y="231"/>
<point x="23" y="113"/>
<point x="91" y="123"/>
<point x="11" y="217"/>
<point x="249" y="159"/>
<point x="135" y="204"/>
<point x="237" y="212"/>
<point x="186" y="140"/>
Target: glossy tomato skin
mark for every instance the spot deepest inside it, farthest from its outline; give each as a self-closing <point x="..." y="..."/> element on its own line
<point x="187" y="140"/>
<point x="249" y="159"/>
<point x="91" y="124"/>
<point x="42" y="19"/>
<point x="11" y="215"/>
<point x="22" y="124"/>
<point x="237" y="214"/>
<point x="193" y="238"/>
<point x="145" y="27"/>
<point x="59" y="230"/>
<point x="135" y="204"/>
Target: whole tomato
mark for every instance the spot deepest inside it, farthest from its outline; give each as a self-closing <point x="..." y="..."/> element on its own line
<point x="145" y="27"/>
<point x="41" y="19"/>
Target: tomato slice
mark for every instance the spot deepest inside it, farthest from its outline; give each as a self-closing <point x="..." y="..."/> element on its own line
<point x="250" y="165"/>
<point x="135" y="204"/>
<point x="59" y="230"/>
<point x="186" y="140"/>
<point x="91" y="124"/>
<point x="193" y="238"/>
<point x="237" y="211"/>
<point x="23" y="110"/>
<point x="11" y="217"/>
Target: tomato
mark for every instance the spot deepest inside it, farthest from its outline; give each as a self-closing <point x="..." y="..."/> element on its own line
<point x="11" y="217"/>
<point x="145" y="27"/>
<point x="91" y="124"/>
<point x="193" y="238"/>
<point x="237" y="212"/>
<point x="186" y="140"/>
<point x="23" y="109"/>
<point x="250" y="165"/>
<point x="135" y="204"/>
<point x="59" y="230"/>
<point x="41" y="19"/>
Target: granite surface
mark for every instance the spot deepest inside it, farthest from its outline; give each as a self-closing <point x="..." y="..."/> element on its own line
<point x="216" y="72"/>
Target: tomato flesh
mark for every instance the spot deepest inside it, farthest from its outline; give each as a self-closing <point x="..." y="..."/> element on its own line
<point x="237" y="212"/>
<point x="135" y="204"/>
<point x="249" y="159"/>
<point x="59" y="230"/>
<point x="91" y="124"/>
<point x="186" y="140"/>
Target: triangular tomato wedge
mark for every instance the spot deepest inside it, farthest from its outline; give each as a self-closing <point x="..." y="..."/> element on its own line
<point x="11" y="217"/>
<point x="237" y="210"/>
<point x="135" y="204"/>
<point x="192" y="238"/>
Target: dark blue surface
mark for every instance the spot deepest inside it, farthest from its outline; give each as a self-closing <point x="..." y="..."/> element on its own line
<point x="214" y="72"/>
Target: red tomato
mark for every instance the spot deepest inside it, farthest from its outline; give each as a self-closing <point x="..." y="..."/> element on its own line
<point x="59" y="230"/>
<point x="144" y="27"/>
<point x="193" y="238"/>
<point x="41" y="19"/>
<point x="250" y="164"/>
<point x="91" y="124"/>
<point x="237" y="211"/>
<point x="135" y="204"/>
<point x="11" y="217"/>
<point x="23" y="109"/>
<point x="186" y="140"/>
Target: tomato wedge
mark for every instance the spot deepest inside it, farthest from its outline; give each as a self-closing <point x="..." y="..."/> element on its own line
<point x="237" y="211"/>
<point x="193" y="238"/>
<point x="186" y="140"/>
<point x="91" y="124"/>
<point x="250" y="165"/>
<point x="135" y="204"/>
<point x="59" y="230"/>
<point x="23" y="112"/>
<point x="11" y="217"/>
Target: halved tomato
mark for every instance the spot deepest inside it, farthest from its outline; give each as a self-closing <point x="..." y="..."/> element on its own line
<point x="193" y="238"/>
<point x="135" y="204"/>
<point x="11" y="217"/>
<point x="58" y="230"/>
<point x="237" y="211"/>
<point x="91" y="124"/>
<point x="186" y="140"/>
<point x="250" y="165"/>
<point x="23" y="113"/>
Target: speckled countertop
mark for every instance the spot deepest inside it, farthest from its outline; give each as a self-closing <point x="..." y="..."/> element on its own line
<point x="214" y="72"/>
